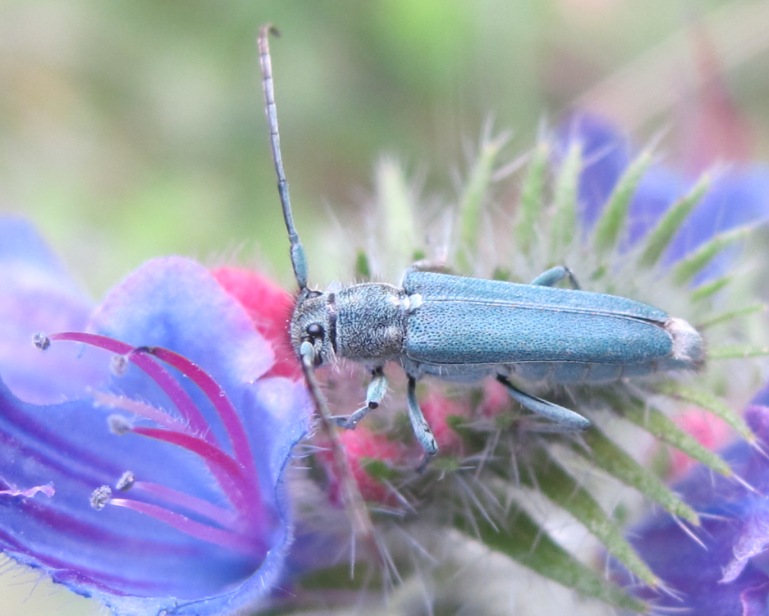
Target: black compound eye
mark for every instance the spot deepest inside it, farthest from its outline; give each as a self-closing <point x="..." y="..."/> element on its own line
<point x="315" y="331"/>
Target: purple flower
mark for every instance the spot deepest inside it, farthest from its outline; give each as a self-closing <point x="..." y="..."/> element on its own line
<point x="722" y="568"/>
<point x="737" y="196"/>
<point x="141" y="462"/>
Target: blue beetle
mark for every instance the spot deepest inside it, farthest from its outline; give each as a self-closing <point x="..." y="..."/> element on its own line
<point x="465" y="329"/>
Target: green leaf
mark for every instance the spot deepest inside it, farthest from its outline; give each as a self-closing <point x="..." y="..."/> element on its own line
<point x="523" y="540"/>
<point x="378" y="469"/>
<point x="614" y="215"/>
<point x="686" y="269"/>
<point x="339" y="578"/>
<point x="725" y="317"/>
<point x="706" y="400"/>
<point x="362" y="266"/>
<point x="658" y="239"/>
<point x="737" y="352"/>
<point x="395" y="212"/>
<point x="709" y="289"/>
<point x="611" y="459"/>
<point x="563" y="220"/>
<point x="566" y="492"/>
<point x="660" y="425"/>
<point x="501" y="273"/>
<point x="472" y="200"/>
<point x="532" y="198"/>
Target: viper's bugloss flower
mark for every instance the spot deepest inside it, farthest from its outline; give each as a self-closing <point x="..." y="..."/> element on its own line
<point x="142" y="453"/>
<point x="269" y="307"/>
<point x="364" y="447"/>
<point x="715" y="568"/>
<point x="737" y="196"/>
<point x="722" y="568"/>
<point x="440" y="412"/>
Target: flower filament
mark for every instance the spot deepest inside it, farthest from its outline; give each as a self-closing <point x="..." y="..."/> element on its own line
<point x="243" y="525"/>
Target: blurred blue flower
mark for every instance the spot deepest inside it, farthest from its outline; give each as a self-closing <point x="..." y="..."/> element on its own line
<point x="721" y="568"/>
<point x="193" y="441"/>
<point x="737" y="196"/>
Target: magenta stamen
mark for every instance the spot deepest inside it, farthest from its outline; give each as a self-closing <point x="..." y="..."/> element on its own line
<point x="228" y="472"/>
<point x="223" y="517"/>
<point x="224" y="538"/>
<point x="161" y="376"/>
<point x="224" y="408"/>
<point x="180" y="398"/>
<point x="213" y="391"/>
<point x="236" y="474"/>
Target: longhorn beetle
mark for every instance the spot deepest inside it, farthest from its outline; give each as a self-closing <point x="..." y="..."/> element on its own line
<point x="465" y="329"/>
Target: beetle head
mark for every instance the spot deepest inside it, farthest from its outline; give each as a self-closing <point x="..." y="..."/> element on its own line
<point x="312" y="322"/>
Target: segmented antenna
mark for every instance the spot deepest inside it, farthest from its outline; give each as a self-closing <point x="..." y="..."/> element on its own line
<point x="298" y="260"/>
<point x="362" y="525"/>
<point x="357" y="512"/>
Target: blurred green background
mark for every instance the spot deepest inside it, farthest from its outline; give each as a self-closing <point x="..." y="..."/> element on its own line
<point x="135" y="129"/>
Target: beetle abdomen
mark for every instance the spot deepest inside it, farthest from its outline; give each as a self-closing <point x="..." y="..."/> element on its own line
<point x="541" y="333"/>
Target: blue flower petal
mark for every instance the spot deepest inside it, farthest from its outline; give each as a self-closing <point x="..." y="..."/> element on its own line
<point x="176" y="303"/>
<point x="737" y="197"/>
<point x="723" y="571"/>
<point x="658" y="189"/>
<point x="605" y="157"/>
<point x="112" y="551"/>
<point x="755" y="600"/>
<point x="38" y="295"/>
<point x="762" y="396"/>
<point x="134" y="562"/>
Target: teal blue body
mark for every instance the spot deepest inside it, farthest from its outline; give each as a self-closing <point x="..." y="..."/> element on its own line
<point x="466" y="328"/>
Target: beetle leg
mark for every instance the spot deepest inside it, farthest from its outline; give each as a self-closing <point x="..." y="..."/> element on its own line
<point x="559" y="414"/>
<point x="419" y="424"/>
<point x="375" y="393"/>
<point x="554" y="275"/>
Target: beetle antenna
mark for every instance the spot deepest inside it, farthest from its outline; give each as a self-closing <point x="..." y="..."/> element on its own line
<point x="298" y="260"/>
<point x="357" y="510"/>
<point x="361" y="522"/>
